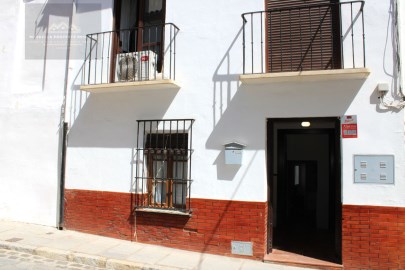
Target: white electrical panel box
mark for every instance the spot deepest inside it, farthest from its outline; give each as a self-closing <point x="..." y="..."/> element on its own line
<point x="242" y="248"/>
<point x="374" y="169"/>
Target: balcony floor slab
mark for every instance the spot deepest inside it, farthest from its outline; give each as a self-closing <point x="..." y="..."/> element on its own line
<point x="130" y="86"/>
<point x="306" y="76"/>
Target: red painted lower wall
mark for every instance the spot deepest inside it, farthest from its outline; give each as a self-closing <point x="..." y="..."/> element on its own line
<point x="211" y="228"/>
<point x="373" y="237"/>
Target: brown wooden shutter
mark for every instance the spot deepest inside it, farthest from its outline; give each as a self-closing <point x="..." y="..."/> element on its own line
<point x="300" y="37"/>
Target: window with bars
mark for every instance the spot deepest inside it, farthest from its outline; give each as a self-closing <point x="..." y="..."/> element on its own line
<point x="163" y="172"/>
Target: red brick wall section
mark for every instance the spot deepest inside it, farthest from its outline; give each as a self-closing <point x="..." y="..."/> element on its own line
<point x="373" y="237"/>
<point x="211" y="228"/>
<point x="99" y="212"/>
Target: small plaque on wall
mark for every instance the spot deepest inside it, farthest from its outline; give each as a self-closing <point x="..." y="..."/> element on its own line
<point x="242" y="248"/>
<point x="349" y="126"/>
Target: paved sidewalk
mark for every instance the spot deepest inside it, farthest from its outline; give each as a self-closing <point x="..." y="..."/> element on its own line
<point x="109" y="253"/>
<point x="15" y="260"/>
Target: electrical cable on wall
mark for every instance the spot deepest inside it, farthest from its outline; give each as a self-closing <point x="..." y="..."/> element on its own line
<point x="398" y="101"/>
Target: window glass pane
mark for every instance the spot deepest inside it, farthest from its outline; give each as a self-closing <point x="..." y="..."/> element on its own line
<point x="152" y="22"/>
<point x="128" y="14"/>
<point x="153" y="13"/>
<point x="180" y="183"/>
<point x="128" y="20"/>
<point x="159" y="169"/>
<point x="179" y="170"/>
<point x="159" y="191"/>
<point x="179" y="192"/>
<point x="159" y="177"/>
<point x="153" y="6"/>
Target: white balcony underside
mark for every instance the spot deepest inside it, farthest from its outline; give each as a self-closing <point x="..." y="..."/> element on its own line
<point x="130" y="86"/>
<point x="306" y="76"/>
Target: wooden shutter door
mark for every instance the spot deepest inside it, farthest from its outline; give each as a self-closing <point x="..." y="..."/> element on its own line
<point x="302" y="35"/>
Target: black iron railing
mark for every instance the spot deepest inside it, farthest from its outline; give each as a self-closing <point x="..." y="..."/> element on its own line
<point x="304" y="37"/>
<point x="138" y="54"/>
<point x="163" y="170"/>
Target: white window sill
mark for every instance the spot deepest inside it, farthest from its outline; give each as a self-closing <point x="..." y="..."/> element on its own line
<point x="163" y="211"/>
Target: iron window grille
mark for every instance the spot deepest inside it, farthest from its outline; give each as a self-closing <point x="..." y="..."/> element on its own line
<point x="163" y="170"/>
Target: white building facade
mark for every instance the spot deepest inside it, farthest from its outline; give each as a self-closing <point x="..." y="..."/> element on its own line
<point x="230" y="129"/>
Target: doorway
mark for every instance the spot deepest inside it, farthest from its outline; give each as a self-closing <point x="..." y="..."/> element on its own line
<point x="305" y="187"/>
<point x="139" y="26"/>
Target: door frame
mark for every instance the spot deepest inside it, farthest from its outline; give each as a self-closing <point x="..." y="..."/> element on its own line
<point x="334" y="172"/>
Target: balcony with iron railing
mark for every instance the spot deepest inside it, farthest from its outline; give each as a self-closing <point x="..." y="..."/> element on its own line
<point x="312" y="41"/>
<point x="130" y="59"/>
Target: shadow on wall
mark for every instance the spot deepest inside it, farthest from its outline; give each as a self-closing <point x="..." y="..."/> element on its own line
<point x="108" y="120"/>
<point x="42" y="23"/>
<point x="245" y="116"/>
<point x="225" y="85"/>
<point x="225" y="172"/>
<point x="56" y="30"/>
<point x="239" y="111"/>
<point x="225" y="82"/>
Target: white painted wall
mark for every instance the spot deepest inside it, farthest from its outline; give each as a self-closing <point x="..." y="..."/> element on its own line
<point x="209" y="60"/>
<point x="380" y="130"/>
<point x="102" y="133"/>
<point x="31" y="98"/>
<point x="31" y="94"/>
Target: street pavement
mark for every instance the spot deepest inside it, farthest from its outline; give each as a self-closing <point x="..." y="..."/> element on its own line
<point x="29" y="246"/>
<point x="15" y="260"/>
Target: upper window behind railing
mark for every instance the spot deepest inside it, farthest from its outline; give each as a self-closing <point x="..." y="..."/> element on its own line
<point x="315" y="35"/>
<point x="142" y="47"/>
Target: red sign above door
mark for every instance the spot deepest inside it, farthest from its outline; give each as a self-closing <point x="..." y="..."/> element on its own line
<point x="349" y="126"/>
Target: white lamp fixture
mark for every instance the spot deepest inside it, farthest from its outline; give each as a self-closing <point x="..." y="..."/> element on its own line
<point x="305" y="124"/>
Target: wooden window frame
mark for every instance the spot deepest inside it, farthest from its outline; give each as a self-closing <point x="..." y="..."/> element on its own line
<point x="170" y="157"/>
<point x="167" y="200"/>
